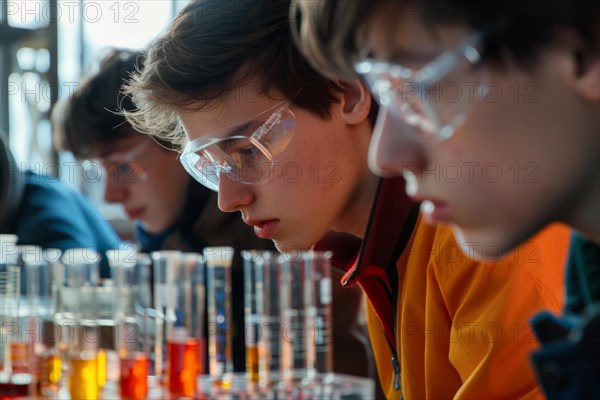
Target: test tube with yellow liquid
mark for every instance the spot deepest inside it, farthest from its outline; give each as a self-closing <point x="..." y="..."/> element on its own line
<point x="76" y="312"/>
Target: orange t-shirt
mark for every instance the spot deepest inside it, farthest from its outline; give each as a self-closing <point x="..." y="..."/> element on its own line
<point x="461" y="326"/>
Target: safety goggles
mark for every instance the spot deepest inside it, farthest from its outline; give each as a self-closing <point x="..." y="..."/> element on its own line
<point x="245" y="153"/>
<point x="430" y="99"/>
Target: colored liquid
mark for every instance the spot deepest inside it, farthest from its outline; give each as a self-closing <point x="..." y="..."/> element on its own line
<point x="49" y="374"/>
<point x="14" y="386"/>
<point x="252" y="362"/>
<point x="134" y="376"/>
<point x="185" y="364"/>
<point x="18" y="356"/>
<point x="101" y="368"/>
<point x="11" y="390"/>
<point x="51" y="369"/>
<point x="83" y="382"/>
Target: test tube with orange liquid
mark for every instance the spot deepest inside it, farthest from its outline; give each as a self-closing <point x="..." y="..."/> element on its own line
<point x="253" y="284"/>
<point x="179" y="292"/>
<point x="131" y="274"/>
<point x="185" y="355"/>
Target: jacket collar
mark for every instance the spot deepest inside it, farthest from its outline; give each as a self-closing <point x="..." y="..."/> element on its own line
<point x="371" y="262"/>
<point x="388" y="223"/>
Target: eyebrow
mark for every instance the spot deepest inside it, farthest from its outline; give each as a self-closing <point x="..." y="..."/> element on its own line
<point x="119" y="149"/>
<point x="106" y="154"/>
<point x="404" y="56"/>
<point x="240" y="129"/>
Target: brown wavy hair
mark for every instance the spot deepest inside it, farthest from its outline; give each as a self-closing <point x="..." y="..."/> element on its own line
<point x="210" y="50"/>
<point x="91" y="115"/>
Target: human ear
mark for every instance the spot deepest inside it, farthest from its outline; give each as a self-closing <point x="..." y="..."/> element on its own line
<point x="587" y="78"/>
<point x="356" y="102"/>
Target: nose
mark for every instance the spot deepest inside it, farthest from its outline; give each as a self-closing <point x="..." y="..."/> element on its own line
<point x="233" y="195"/>
<point x="394" y="149"/>
<point x="114" y="191"/>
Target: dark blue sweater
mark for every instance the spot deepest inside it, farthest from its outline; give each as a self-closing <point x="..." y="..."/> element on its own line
<point x="52" y="215"/>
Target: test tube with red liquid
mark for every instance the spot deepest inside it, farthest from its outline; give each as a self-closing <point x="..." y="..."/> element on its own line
<point x="130" y="273"/>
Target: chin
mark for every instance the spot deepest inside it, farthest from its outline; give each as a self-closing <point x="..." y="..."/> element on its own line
<point x="289" y="246"/>
<point x="485" y="245"/>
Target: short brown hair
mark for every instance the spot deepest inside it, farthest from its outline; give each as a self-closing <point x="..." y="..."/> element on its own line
<point x="210" y="50"/>
<point x="90" y="116"/>
<point x="330" y="30"/>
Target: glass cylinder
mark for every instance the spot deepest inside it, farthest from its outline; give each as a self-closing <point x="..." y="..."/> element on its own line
<point x="44" y="360"/>
<point x="76" y="315"/>
<point x="84" y="362"/>
<point x="218" y="281"/>
<point x="77" y="294"/>
<point x="165" y="265"/>
<point x="47" y="355"/>
<point x="179" y="294"/>
<point x="129" y="273"/>
<point x="252" y="328"/>
<point x="263" y="325"/>
<point x="297" y="302"/>
<point x="320" y="264"/>
<point x="12" y="382"/>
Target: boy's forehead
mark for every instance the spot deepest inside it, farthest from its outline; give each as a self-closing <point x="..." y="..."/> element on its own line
<point x="404" y="38"/>
<point x="226" y="113"/>
<point x="109" y="147"/>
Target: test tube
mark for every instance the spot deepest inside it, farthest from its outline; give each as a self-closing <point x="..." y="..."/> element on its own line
<point x="84" y="363"/>
<point x="297" y="311"/>
<point x="47" y="355"/>
<point x="165" y="264"/>
<point x="76" y="314"/>
<point x="179" y="290"/>
<point x="252" y="329"/>
<point x="128" y="272"/>
<point x="320" y="264"/>
<point x="266" y="270"/>
<point x="186" y="343"/>
<point x="218" y="262"/>
<point x="10" y="274"/>
<point x="22" y="348"/>
<point x="77" y="294"/>
<point x="44" y="360"/>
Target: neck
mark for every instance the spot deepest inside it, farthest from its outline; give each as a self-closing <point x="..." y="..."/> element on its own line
<point x="356" y="215"/>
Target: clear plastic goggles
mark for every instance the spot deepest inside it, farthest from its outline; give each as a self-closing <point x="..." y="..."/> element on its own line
<point x="245" y="153"/>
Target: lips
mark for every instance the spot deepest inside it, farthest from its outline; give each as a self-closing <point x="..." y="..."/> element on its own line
<point x="135" y="213"/>
<point x="264" y="228"/>
<point x="435" y="211"/>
